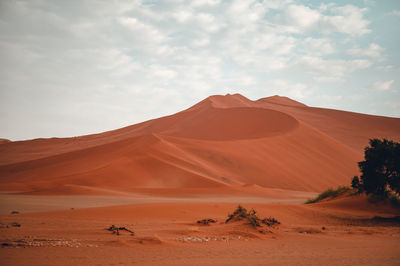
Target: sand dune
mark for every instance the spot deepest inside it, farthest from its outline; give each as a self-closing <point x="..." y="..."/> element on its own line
<point x="2" y="141"/>
<point x="223" y="141"/>
<point x="232" y="124"/>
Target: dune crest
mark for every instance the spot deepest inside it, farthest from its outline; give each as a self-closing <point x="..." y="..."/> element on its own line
<point x="276" y="99"/>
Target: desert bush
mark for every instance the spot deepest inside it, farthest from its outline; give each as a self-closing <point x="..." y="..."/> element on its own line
<point x="380" y="170"/>
<point x="329" y="193"/>
<point x="241" y="213"/>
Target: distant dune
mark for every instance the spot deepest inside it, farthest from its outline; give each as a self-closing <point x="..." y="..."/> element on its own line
<point x="222" y="142"/>
<point x="2" y="141"/>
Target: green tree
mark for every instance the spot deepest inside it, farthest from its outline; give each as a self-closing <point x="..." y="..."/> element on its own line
<point x="381" y="167"/>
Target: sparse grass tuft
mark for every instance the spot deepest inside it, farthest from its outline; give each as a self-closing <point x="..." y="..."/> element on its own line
<point x="330" y="193"/>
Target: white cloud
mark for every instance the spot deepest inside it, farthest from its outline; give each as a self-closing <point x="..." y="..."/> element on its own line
<point x="349" y="19"/>
<point x="161" y="72"/>
<point x="300" y="18"/>
<point x="294" y="90"/>
<point x="318" y="46"/>
<point x="383" y="85"/>
<point x="201" y="42"/>
<point x="388" y="67"/>
<point x="374" y="50"/>
<point x="327" y="19"/>
<point x="394" y="13"/>
<point x="333" y="69"/>
<point x="276" y="4"/>
<point x="116" y="63"/>
<point x="324" y="7"/>
<point x="182" y="15"/>
<point x="245" y="13"/>
<point x="142" y="31"/>
<point x="329" y="79"/>
<point x="200" y="3"/>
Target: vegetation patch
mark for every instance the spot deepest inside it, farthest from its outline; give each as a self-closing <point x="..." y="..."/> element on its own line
<point x="13" y="224"/>
<point x="270" y="221"/>
<point x="241" y="213"/>
<point x="380" y="172"/>
<point x="380" y="175"/>
<point x="330" y="193"/>
<point x="115" y="230"/>
<point x="206" y="221"/>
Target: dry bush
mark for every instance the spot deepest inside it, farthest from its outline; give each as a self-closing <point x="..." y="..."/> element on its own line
<point x="241" y="213"/>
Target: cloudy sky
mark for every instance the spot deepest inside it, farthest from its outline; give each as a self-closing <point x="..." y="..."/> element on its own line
<point x="71" y="67"/>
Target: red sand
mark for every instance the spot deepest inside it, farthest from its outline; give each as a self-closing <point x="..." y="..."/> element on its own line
<point x="270" y="154"/>
<point x="167" y="234"/>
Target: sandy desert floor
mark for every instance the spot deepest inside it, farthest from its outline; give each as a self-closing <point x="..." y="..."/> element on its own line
<point x="337" y="232"/>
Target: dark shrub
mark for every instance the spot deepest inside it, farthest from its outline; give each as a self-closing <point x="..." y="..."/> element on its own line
<point x="381" y="167"/>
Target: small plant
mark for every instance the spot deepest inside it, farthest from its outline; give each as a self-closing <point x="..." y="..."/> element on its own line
<point x="253" y="218"/>
<point x="242" y="214"/>
<point x="330" y="193"/>
<point x="115" y="230"/>
<point x="206" y="221"/>
<point x="239" y="214"/>
<point x="15" y="224"/>
<point x="270" y="221"/>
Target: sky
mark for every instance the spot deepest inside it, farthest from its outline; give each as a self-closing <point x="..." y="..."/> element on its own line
<point x="71" y="68"/>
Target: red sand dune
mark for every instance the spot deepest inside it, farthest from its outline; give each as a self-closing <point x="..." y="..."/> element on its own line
<point x="222" y="142"/>
<point x="2" y="141"/>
